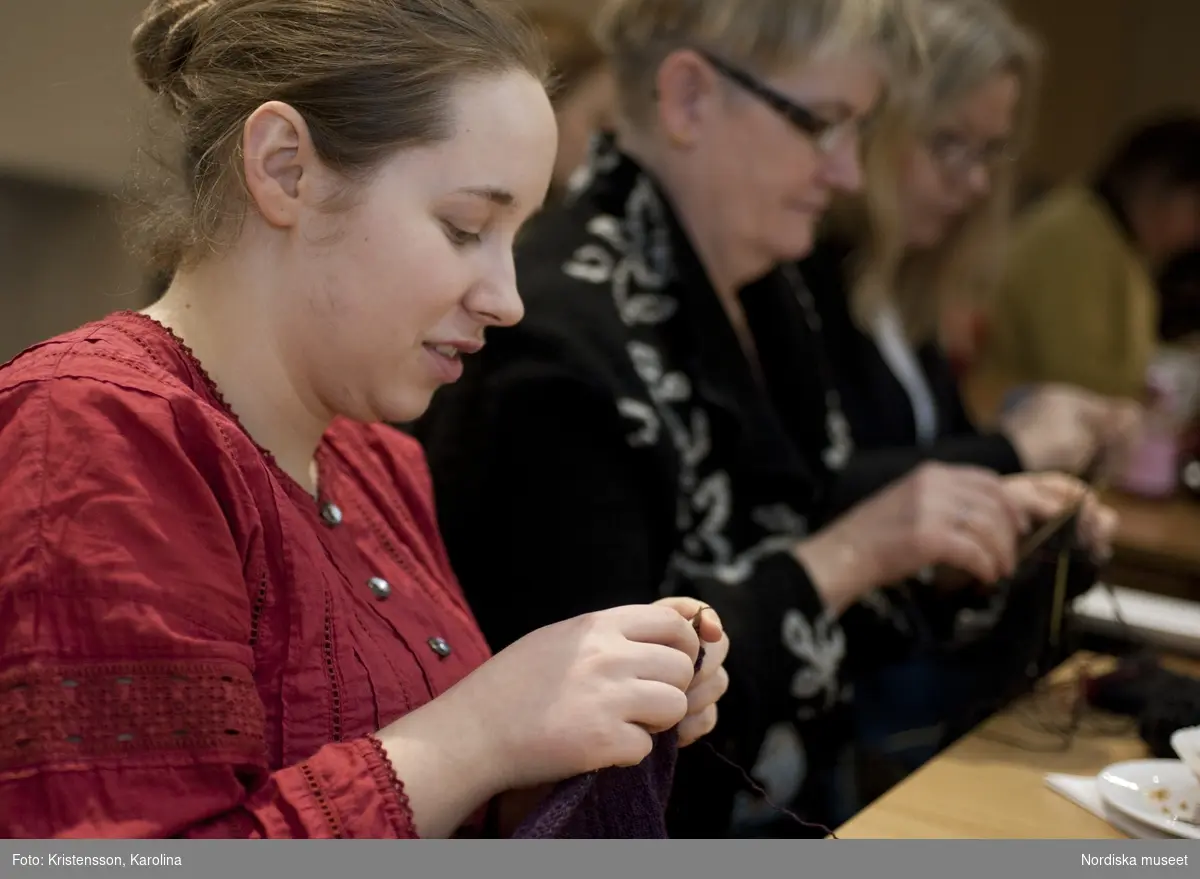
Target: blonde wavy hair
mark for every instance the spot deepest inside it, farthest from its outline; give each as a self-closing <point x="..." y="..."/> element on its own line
<point x="762" y="36"/>
<point x="966" y="43"/>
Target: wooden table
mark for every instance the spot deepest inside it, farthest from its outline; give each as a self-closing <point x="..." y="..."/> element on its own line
<point x="982" y="788"/>
<point x="1157" y="547"/>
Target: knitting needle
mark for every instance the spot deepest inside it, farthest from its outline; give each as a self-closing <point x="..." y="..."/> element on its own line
<point x="1064" y="560"/>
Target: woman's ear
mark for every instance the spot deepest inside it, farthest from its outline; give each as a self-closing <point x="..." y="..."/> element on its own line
<point x="686" y="86"/>
<point x="279" y="163"/>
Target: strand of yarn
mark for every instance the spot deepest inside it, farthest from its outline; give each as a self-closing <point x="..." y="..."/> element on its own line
<point x="746" y="777"/>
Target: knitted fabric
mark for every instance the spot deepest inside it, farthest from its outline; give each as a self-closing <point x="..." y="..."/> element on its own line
<point x="615" y="803"/>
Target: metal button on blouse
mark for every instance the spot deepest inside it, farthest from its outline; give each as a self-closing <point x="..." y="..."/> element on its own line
<point x="439" y="646"/>
<point x="332" y="514"/>
<point x="380" y="587"/>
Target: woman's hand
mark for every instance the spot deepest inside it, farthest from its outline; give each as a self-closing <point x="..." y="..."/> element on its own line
<point x="1042" y="496"/>
<point x="707" y="687"/>
<point x="711" y="680"/>
<point x="1121" y="435"/>
<point x="1064" y="428"/>
<point x="939" y="514"/>
<point x="577" y="696"/>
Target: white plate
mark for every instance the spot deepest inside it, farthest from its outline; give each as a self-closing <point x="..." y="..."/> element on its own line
<point x="1083" y="790"/>
<point x="1131" y="827"/>
<point x="1186" y="744"/>
<point x="1152" y="791"/>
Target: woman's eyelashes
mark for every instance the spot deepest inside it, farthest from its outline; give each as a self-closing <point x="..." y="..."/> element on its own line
<point x="460" y="237"/>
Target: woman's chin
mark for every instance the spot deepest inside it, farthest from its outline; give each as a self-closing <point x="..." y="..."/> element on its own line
<point x="797" y="246"/>
<point x="400" y="407"/>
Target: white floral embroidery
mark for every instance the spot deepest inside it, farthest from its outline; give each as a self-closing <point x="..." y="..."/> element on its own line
<point x="877" y="602"/>
<point x="712" y="500"/>
<point x="632" y="255"/>
<point x="590" y="263"/>
<point x="971" y="623"/>
<point x="821" y="647"/>
<point x="841" y="445"/>
<point x="638" y="307"/>
<point x="600" y="160"/>
<point x="650" y="256"/>
<point x="608" y="229"/>
<point x="780" y="768"/>
<point x="837" y="429"/>
<point x="781" y="519"/>
<point x="649" y="427"/>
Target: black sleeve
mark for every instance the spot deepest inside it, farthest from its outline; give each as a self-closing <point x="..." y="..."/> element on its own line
<point x="960" y="443"/>
<point x="991" y="449"/>
<point x="869" y="471"/>
<point x="553" y="514"/>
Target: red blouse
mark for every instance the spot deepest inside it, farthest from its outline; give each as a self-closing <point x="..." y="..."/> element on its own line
<point x="190" y="645"/>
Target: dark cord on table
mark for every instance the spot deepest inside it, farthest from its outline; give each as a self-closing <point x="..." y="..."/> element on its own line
<point x="1059" y="712"/>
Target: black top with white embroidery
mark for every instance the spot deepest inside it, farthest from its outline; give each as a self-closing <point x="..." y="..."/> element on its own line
<point x="616" y="447"/>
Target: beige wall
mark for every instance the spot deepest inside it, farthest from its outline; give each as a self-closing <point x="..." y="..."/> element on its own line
<point x="73" y="112"/>
<point x="70" y="114"/>
<point x="1107" y="63"/>
<point x="69" y="100"/>
<point x="72" y="108"/>
<point x="62" y="262"/>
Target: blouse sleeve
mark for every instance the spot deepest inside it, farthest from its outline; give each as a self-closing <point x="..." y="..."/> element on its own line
<point x="548" y="514"/>
<point x="128" y="704"/>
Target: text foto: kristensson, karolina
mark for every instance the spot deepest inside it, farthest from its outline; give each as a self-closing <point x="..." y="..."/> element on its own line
<point x="62" y="860"/>
<point x="1131" y="861"/>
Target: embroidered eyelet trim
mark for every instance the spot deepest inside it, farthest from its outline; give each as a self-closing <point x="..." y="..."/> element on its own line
<point x="318" y="794"/>
<point x="256" y="609"/>
<point x="54" y="714"/>
<point x="387" y="777"/>
<point x="335" y="689"/>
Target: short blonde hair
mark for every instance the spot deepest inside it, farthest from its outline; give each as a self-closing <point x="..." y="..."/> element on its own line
<point x="966" y="43"/>
<point x="763" y="36"/>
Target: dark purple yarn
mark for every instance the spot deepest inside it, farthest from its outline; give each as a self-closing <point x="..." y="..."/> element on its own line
<point x="627" y="803"/>
<point x="616" y="803"/>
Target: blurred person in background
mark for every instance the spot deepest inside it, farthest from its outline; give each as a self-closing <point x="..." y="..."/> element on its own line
<point x="1077" y="303"/>
<point x="225" y="606"/>
<point x="927" y="233"/>
<point x="1179" y="300"/>
<point x="638" y="433"/>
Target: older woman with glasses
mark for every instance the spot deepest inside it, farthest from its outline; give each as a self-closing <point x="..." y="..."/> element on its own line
<point x="638" y="435"/>
<point x="926" y="234"/>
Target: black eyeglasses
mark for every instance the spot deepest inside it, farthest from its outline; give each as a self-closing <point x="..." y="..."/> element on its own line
<point x="827" y="135"/>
